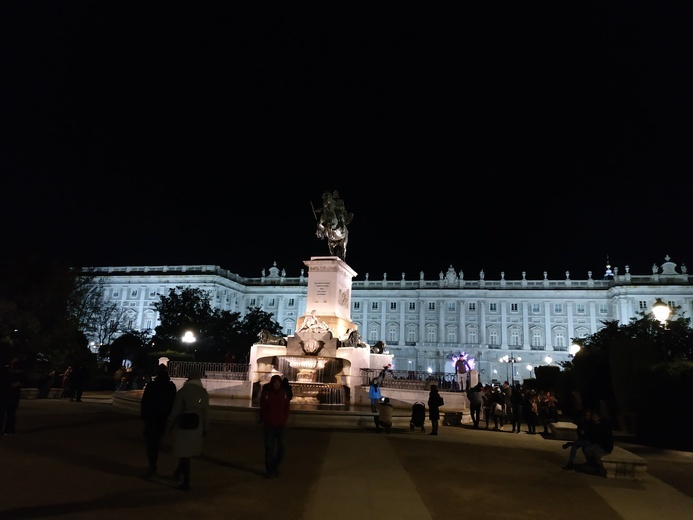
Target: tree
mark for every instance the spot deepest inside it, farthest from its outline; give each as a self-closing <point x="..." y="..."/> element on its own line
<point x="93" y="315"/>
<point x="36" y="294"/>
<point x="247" y="332"/>
<point x="218" y="334"/>
<point x="184" y="310"/>
<point x="617" y="365"/>
<point x="107" y="322"/>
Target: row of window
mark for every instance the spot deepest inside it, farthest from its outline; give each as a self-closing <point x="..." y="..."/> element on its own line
<point x="536" y="338"/>
<point x="536" y="308"/>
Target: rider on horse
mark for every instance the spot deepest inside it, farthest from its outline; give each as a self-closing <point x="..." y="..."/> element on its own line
<point x="332" y="223"/>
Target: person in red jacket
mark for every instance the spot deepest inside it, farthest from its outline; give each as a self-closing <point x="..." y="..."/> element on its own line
<point x="274" y="414"/>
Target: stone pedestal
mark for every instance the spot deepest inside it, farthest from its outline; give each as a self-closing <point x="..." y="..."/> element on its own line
<point x="329" y="293"/>
<point x="473" y="378"/>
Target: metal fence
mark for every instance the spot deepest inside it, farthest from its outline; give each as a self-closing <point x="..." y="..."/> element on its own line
<point x="410" y="379"/>
<point x="401" y="379"/>
<point x="233" y="371"/>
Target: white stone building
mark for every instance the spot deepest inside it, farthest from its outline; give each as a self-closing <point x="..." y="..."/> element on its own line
<point x="427" y="322"/>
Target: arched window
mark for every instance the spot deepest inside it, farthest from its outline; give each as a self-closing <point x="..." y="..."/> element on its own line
<point x="515" y="334"/>
<point x="431" y="335"/>
<point x="537" y="337"/>
<point x="493" y="336"/>
<point x="392" y="333"/>
<point x="472" y="334"/>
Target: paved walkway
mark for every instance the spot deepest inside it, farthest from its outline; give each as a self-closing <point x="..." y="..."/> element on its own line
<point x="86" y="460"/>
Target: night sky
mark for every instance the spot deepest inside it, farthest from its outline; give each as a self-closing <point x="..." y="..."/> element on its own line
<point x="148" y="134"/>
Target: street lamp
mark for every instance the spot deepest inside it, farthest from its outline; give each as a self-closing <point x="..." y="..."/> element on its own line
<point x="661" y="311"/>
<point x="188" y="338"/>
<point x="548" y="360"/>
<point x="574" y="349"/>
<point x="511" y="360"/>
<point x="530" y="368"/>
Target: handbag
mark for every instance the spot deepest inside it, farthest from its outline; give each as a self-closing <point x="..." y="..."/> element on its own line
<point x="498" y="409"/>
<point x="188" y="421"/>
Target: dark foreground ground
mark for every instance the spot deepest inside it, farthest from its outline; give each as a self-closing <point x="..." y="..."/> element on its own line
<point x="86" y="461"/>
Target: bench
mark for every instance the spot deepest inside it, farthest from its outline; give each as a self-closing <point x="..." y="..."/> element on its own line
<point x="623" y="463"/>
<point x="563" y="430"/>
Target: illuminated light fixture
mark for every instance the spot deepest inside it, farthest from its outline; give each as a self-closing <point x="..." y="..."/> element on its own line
<point x="661" y="311"/>
<point x="188" y="337"/>
<point x="574" y="349"/>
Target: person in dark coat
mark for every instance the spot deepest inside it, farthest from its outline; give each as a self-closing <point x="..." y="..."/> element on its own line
<point x="11" y="382"/>
<point x="155" y="407"/>
<point x="274" y="412"/>
<point x="286" y="385"/>
<point x="475" y="396"/>
<point x="79" y="377"/>
<point x="435" y="401"/>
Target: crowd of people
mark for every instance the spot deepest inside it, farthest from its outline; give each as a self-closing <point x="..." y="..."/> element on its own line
<point x="512" y="405"/>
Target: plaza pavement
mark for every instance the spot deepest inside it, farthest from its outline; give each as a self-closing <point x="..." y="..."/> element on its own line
<point x="85" y="460"/>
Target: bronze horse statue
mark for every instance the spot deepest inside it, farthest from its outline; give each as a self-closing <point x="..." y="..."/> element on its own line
<point x="332" y="223"/>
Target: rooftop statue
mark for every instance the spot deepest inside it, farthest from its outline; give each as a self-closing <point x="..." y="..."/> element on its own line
<point x="333" y="219"/>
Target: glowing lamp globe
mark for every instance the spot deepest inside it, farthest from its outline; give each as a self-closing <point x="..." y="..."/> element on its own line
<point x="661" y="311"/>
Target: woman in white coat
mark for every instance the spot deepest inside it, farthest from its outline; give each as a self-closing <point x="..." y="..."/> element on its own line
<point x="189" y="423"/>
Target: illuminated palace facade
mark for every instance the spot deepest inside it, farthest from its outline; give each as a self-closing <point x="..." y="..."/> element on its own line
<point x="428" y="322"/>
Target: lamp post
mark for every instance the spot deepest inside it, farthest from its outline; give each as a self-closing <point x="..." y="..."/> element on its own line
<point x="530" y="368"/>
<point x="188" y="338"/>
<point x="511" y="360"/>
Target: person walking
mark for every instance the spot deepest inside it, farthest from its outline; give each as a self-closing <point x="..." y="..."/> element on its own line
<point x="274" y="413"/>
<point x="80" y="377"/>
<point x="69" y="383"/>
<point x="435" y="401"/>
<point x="155" y="407"/>
<point x="11" y="382"/>
<point x="516" y="408"/>
<point x="476" y="400"/>
<point x="189" y="424"/>
<point x="548" y="411"/>
<point x="286" y="385"/>
<point x="507" y="392"/>
<point x="531" y="410"/>
<point x="498" y="401"/>
<point x="487" y="403"/>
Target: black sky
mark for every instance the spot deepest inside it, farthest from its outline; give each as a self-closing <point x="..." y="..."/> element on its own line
<point x="144" y="134"/>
